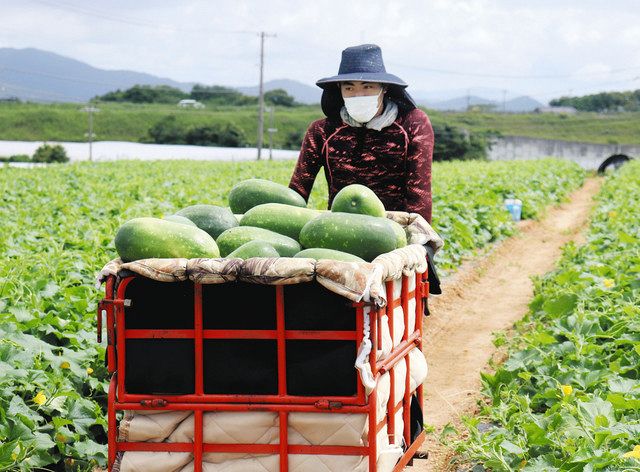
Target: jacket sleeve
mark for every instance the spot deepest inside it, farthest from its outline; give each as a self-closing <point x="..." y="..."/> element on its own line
<point x="309" y="161"/>
<point x="419" y="158"/>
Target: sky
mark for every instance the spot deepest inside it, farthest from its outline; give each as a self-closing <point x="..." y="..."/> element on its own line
<point x="541" y="48"/>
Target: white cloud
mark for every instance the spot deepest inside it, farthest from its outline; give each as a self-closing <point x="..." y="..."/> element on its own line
<point x="193" y="40"/>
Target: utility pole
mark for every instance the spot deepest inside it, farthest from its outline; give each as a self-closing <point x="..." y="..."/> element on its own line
<point x="271" y="130"/>
<point x="261" y="92"/>
<point x="91" y="110"/>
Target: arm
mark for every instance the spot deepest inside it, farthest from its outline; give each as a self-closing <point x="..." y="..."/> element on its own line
<point x="419" y="158"/>
<point x="309" y="161"/>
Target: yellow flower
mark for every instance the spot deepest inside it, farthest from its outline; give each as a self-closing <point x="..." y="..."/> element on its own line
<point x="635" y="453"/>
<point x="65" y="365"/>
<point x="566" y="390"/>
<point x="89" y="370"/>
<point x="609" y="283"/>
<point x="613" y="214"/>
<point x="40" y="399"/>
<point x="14" y="456"/>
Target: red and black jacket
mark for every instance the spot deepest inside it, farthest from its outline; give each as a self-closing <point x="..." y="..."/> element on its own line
<point x="394" y="162"/>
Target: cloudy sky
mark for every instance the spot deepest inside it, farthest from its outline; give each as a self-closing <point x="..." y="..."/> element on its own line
<point x="544" y="48"/>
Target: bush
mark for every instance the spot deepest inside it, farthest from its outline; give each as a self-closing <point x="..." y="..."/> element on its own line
<point x="228" y="135"/>
<point x="294" y="140"/>
<point x="19" y="158"/>
<point x="232" y="136"/>
<point x="16" y="158"/>
<point x="49" y="153"/>
<point x="452" y="143"/>
<point x="168" y="131"/>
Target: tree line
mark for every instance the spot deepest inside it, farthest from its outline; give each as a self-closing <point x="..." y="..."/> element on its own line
<point x="602" y="102"/>
<point x="211" y="94"/>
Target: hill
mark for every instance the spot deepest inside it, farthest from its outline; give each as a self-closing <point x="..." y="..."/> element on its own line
<point x="521" y="104"/>
<point x="42" y="76"/>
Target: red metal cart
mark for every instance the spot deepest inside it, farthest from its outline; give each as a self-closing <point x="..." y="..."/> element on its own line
<point x="198" y="337"/>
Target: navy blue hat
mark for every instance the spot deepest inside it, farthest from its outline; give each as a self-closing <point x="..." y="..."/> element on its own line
<point x="362" y="63"/>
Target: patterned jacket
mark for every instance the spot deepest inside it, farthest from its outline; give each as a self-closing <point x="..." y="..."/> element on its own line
<point x="395" y="162"/>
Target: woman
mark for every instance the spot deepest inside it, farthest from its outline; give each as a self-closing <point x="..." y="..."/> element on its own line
<point x="373" y="135"/>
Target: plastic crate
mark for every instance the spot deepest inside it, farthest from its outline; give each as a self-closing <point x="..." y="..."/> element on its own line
<point x="181" y="346"/>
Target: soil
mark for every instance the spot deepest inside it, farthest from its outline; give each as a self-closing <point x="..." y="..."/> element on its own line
<point x="486" y="296"/>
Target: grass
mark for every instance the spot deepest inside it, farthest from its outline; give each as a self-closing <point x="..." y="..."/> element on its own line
<point x="130" y="122"/>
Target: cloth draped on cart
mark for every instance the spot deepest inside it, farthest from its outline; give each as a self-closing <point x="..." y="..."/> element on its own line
<point x="353" y="280"/>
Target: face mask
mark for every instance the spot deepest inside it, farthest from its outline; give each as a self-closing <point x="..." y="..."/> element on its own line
<point x="362" y="109"/>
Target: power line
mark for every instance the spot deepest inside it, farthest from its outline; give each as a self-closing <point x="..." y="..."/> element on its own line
<point x="104" y="15"/>
<point x="505" y="76"/>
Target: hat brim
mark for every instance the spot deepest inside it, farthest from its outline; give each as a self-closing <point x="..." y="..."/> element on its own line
<point x="381" y="77"/>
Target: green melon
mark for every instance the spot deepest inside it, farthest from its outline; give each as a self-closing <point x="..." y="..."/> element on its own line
<point x="318" y="253"/>
<point x="146" y="238"/>
<point x="180" y="219"/>
<point x="249" y="193"/>
<point x="256" y="248"/>
<point x="356" y="198"/>
<point x="361" y="235"/>
<point x="211" y="218"/>
<point x="278" y="217"/>
<point x="233" y="238"/>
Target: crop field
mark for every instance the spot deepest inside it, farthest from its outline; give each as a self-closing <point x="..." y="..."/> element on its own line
<point x="58" y="225"/>
<point x="568" y="398"/>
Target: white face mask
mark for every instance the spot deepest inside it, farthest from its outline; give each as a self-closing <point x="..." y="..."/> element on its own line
<point x="363" y="108"/>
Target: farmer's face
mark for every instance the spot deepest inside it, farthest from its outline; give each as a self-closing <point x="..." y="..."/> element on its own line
<point x="359" y="89"/>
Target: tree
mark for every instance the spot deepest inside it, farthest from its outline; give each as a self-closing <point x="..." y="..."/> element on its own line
<point x="146" y="94"/>
<point x="220" y="95"/>
<point x="280" y="97"/>
<point x="452" y="143"/>
<point x="602" y="102"/>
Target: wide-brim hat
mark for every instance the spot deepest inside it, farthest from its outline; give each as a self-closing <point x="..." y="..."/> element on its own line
<point x="362" y="63"/>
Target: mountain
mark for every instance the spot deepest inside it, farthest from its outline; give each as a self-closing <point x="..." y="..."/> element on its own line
<point x="521" y="104"/>
<point x="303" y="93"/>
<point x="42" y="76"/>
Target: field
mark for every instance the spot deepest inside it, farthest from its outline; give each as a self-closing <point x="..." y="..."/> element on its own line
<point x="567" y="398"/>
<point x="58" y="228"/>
<point x="129" y="122"/>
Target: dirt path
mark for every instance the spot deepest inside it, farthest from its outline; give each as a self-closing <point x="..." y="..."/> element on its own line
<point x="483" y="297"/>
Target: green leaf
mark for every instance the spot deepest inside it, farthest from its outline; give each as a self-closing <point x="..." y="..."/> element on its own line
<point x="562" y="305"/>
<point x="597" y="412"/>
<point x="510" y="447"/>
